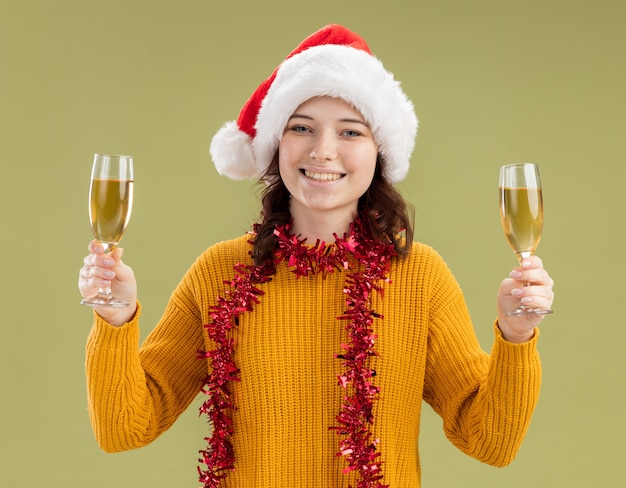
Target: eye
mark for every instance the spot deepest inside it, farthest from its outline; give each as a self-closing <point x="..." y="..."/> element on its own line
<point x="351" y="133"/>
<point x="299" y="128"/>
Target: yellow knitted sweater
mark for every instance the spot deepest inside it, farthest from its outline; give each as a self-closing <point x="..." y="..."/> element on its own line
<point x="288" y="395"/>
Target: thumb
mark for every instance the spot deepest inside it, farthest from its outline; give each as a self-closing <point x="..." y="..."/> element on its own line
<point x="122" y="271"/>
<point x="117" y="253"/>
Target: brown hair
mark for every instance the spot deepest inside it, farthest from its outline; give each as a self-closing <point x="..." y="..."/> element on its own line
<point x="382" y="210"/>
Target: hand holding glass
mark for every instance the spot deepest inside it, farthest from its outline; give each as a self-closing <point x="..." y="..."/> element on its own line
<point x="521" y="214"/>
<point x="110" y="205"/>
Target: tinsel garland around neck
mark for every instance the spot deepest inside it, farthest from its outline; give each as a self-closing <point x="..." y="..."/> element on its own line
<point x="355" y="413"/>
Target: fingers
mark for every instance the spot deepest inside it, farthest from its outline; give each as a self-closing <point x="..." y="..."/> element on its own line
<point x="98" y="270"/>
<point x="533" y="294"/>
<point x="98" y="266"/>
<point x="532" y="262"/>
<point x="102" y="269"/>
<point x="91" y="278"/>
<point x="97" y="247"/>
<point x="531" y="272"/>
<point x="531" y="285"/>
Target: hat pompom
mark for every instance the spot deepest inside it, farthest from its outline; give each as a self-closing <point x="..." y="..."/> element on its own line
<point x="231" y="150"/>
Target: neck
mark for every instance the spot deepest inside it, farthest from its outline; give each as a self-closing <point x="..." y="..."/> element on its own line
<point x="320" y="225"/>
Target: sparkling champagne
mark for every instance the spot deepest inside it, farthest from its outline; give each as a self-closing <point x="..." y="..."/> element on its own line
<point x="110" y="207"/>
<point x="521" y="213"/>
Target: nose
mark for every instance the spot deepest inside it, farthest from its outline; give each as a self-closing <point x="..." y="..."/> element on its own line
<point x="324" y="147"/>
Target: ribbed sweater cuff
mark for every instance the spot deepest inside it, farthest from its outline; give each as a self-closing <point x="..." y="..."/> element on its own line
<point x="111" y="337"/>
<point x="515" y="354"/>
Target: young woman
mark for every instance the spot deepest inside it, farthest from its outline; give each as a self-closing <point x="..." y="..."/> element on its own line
<point x="316" y="337"/>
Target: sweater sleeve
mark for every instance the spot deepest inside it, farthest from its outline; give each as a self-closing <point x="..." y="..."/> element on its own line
<point x="135" y="394"/>
<point x="485" y="400"/>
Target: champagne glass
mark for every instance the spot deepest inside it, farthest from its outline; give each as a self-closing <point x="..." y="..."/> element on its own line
<point x="521" y="214"/>
<point x="110" y="205"/>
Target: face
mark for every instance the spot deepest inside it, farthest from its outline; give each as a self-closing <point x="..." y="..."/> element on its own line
<point x="327" y="158"/>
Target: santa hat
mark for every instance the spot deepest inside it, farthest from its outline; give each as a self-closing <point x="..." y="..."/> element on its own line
<point x="331" y="62"/>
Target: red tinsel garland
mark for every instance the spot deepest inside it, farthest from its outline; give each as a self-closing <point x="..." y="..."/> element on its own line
<point x="355" y="416"/>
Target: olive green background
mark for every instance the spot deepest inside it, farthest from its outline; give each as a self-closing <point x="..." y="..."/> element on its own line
<point x="493" y="82"/>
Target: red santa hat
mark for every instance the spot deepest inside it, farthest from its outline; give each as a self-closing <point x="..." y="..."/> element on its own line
<point x="331" y="62"/>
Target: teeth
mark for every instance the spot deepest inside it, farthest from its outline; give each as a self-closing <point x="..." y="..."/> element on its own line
<point x="322" y="176"/>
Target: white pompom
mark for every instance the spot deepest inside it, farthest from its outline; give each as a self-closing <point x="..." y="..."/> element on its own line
<point x="231" y="151"/>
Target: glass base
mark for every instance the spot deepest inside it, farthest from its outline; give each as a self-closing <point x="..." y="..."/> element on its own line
<point x="529" y="311"/>
<point x="104" y="301"/>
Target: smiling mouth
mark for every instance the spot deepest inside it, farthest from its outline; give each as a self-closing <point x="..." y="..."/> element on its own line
<point x="321" y="176"/>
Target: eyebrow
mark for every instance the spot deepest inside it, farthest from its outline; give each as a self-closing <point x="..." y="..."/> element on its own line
<point x="302" y="116"/>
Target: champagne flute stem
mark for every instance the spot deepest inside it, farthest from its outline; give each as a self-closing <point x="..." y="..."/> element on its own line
<point x="521" y="255"/>
<point x="105" y="293"/>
